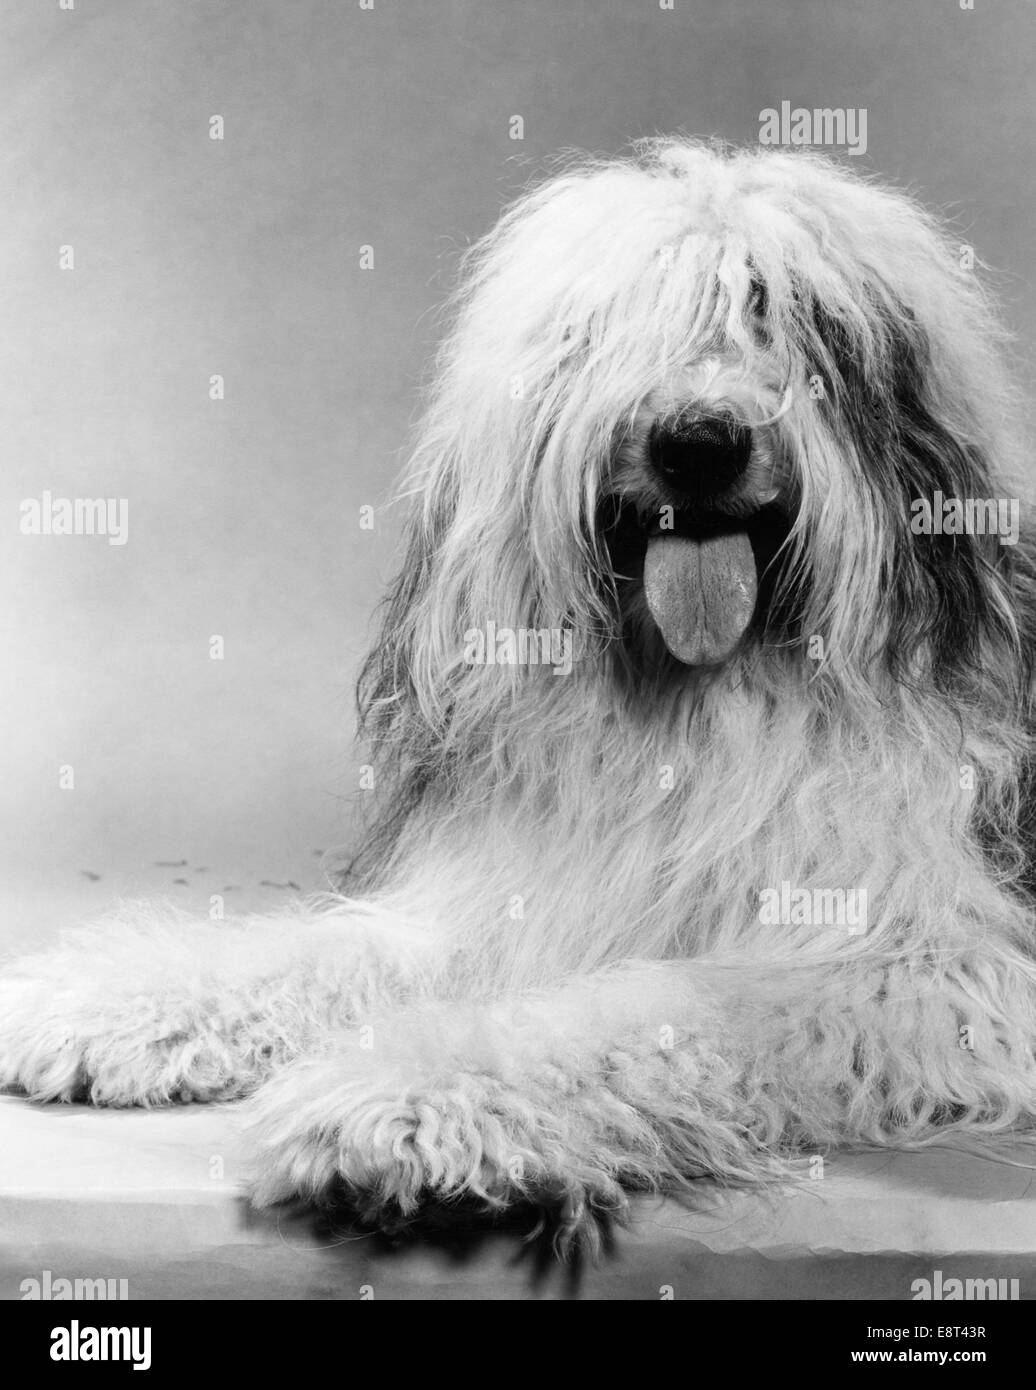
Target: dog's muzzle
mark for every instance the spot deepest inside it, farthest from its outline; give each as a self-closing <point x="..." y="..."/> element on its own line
<point x="701" y="587"/>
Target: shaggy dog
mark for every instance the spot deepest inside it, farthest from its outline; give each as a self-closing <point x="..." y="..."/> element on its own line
<point x="700" y="720"/>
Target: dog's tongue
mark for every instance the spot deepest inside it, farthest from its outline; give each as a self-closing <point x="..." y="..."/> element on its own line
<point x="701" y="593"/>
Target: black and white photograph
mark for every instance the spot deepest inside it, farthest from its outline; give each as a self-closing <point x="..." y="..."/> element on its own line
<point x="520" y="592"/>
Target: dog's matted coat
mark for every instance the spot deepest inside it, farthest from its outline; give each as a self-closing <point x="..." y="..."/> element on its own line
<point x="682" y="428"/>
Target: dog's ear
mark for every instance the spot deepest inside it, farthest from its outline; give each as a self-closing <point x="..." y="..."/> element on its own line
<point x="951" y="598"/>
<point x="386" y="689"/>
<point x="403" y="748"/>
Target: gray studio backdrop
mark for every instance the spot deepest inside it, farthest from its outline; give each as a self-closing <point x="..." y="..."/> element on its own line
<point x="388" y="126"/>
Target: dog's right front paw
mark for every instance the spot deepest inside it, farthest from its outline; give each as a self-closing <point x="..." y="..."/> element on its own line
<point x="121" y="1016"/>
<point x="151" y="1005"/>
<point x="78" y="1039"/>
<point x="45" y="1035"/>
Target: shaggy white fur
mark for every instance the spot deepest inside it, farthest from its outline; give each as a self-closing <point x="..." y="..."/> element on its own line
<point x="549" y="980"/>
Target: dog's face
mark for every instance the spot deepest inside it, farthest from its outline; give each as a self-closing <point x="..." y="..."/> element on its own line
<point x="685" y="412"/>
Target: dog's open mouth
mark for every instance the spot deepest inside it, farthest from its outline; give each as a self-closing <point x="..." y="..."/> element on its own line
<point x="708" y="579"/>
<point x="701" y="592"/>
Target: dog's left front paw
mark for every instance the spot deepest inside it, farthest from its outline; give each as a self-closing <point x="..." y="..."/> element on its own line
<point x="390" y="1147"/>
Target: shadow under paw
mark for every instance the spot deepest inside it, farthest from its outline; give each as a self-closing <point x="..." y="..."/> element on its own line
<point x="547" y="1241"/>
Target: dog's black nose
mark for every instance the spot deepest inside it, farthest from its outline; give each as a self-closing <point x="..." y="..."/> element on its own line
<point x="700" y="458"/>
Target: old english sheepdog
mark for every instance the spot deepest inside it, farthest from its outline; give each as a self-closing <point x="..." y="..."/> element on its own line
<point x="701" y="734"/>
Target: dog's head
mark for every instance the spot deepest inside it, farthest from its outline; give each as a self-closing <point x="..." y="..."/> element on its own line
<point x="686" y="412"/>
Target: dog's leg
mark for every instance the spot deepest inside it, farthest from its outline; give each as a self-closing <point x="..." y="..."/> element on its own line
<point x="154" y="1006"/>
<point x="645" y="1075"/>
<point x="561" y="1098"/>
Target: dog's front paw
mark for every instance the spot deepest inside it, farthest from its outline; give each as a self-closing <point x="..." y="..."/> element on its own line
<point x="76" y="1039"/>
<point x="389" y="1146"/>
<point x="130" y="1017"/>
